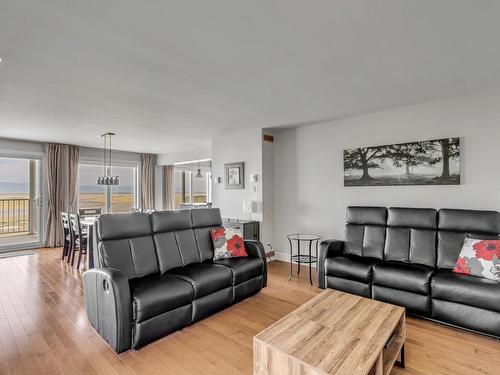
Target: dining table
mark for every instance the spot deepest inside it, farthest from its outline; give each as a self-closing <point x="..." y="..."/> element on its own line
<point x="87" y="224"/>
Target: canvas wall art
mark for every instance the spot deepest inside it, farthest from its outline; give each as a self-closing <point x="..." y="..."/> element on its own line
<point x="433" y="162"/>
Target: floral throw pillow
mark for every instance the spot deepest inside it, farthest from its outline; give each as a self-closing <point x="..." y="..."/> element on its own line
<point x="479" y="258"/>
<point x="227" y="244"/>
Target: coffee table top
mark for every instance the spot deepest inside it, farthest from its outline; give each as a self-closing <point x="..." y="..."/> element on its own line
<point x="335" y="332"/>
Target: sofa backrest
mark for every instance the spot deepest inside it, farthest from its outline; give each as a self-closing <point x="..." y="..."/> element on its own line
<point x="139" y="244"/>
<point x="365" y="231"/>
<point x="183" y="237"/>
<point x="125" y="242"/>
<point x="411" y="235"/>
<point x="454" y="225"/>
<point x="205" y="219"/>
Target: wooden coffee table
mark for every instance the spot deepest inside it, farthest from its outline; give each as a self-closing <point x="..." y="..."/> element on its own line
<point x="333" y="333"/>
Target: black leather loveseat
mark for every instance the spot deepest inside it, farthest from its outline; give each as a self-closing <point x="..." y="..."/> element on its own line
<point x="405" y="256"/>
<point x="155" y="275"/>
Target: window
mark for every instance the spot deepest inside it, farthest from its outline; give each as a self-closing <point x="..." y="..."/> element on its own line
<point x="120" y="198"/>
<point x="123" y="196"/>
<point x="191" y="188"/>
<point x="90" y="194"/>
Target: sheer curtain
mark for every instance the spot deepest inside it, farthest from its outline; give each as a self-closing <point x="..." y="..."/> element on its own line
<point x="62" y="188"/>
<point x="147" y="181"/>
<point x="169" y="193"/>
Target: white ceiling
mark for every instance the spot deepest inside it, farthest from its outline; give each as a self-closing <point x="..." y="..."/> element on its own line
<point x="167" y="75"/>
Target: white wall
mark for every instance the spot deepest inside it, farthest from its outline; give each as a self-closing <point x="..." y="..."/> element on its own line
<point x="90" y="154"/>
<point x="183" y="156"/>
<point x="16" y="147"/>
<point x="235" y="147"/>
<point x="309" y="191"/>
<point x="268" y="173"/>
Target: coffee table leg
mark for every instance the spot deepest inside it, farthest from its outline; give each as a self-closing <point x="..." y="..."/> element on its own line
<point x="401" y="363"/>
<point x="291" y="259"/>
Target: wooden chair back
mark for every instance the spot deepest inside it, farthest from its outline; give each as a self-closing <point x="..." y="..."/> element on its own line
<point x="90" y="212"/>
<point x="75" y="225"/>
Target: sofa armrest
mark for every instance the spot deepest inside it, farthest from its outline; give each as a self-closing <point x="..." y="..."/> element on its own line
<point x="327" y="249"/>
<point x="256" y="249"/>
<point x="108" y="305"/>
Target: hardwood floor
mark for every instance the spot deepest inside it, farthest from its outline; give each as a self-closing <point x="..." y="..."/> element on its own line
<point x="44" y="329"/>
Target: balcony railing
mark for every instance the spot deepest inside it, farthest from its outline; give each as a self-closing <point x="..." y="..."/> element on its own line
<point x="14" y="216"/>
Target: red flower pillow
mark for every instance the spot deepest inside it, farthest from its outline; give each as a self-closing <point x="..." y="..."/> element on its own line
<point x="227" y="244"/>
<point x="479" y="258"/>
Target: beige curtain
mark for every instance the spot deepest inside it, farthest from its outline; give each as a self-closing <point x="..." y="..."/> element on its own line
<point x="62" y="188"/>
<point x="147" y="181"/>
<point x="169" y="193"/>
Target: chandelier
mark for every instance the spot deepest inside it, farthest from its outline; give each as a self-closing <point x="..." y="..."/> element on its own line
<point x="107" y="178"/>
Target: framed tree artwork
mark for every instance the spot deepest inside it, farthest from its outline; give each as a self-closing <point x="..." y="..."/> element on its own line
<point x="433" y="162"/>
<point x="234" y="175"/>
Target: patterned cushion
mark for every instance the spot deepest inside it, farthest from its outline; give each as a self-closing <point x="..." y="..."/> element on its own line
<point x="479" y="257"/>
<point x="227" y="244"/>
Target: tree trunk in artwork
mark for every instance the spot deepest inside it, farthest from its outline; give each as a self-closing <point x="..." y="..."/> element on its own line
<point x="445" y="149"/>
<point x="365" y="165"/>
<point x="408" y="169"/>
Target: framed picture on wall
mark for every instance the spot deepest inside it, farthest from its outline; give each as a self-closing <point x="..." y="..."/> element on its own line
<point x="432" y="162"/>
<point x="234" y="175"/>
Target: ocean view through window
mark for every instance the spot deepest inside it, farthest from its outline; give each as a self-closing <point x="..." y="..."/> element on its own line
<point x="122" y="198"/>
<point x="20" y="200"/>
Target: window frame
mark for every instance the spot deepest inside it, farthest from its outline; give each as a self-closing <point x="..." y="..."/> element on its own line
<point x="108" y="189"/>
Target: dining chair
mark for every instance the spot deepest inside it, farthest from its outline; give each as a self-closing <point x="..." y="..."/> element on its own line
<point x="80" y="239"/>
<point x="67" y="242"/>
<point x="90" y="212"/>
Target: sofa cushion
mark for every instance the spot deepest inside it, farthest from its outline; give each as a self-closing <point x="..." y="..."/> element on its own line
<point x="124" y="242"/>
<point x="350" y="267"/>
<point x="154" y="295"/>
<point x="205" y="278"/>
<point x="470" y="290"/>
<point x="403" y="276"/>
<point x="243" y="269"/>
<point x="203" y="220"/>
<point x="453" y="228"/>
<point x="365" y="231"/>
<point x="364" y="240"/>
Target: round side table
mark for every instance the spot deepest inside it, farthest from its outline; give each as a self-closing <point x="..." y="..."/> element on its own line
<point x="308" y="258"/>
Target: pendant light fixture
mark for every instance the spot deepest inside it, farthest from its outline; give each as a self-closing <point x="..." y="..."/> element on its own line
<point x="107" y="179"/>
<point x="198" y="172"/>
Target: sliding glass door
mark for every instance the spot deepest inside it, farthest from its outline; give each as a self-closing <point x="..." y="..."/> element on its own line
<point x="20" y="202"/>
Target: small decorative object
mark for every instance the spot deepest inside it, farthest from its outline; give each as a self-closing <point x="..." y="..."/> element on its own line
<point x="250" y="207"/>
<point x="479" y="258"/>
<point x="227" y="244"/>
<point x="234" y="175"/>
<point x="434" y="162"/>
<point x="107" y="178"/>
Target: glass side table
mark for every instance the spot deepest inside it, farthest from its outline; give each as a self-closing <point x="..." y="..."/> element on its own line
<point x="310" y="240"/>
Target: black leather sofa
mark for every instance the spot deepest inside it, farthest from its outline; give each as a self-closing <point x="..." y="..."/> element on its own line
<point x="155" y="275"/>
<point x="405" y="256"/>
